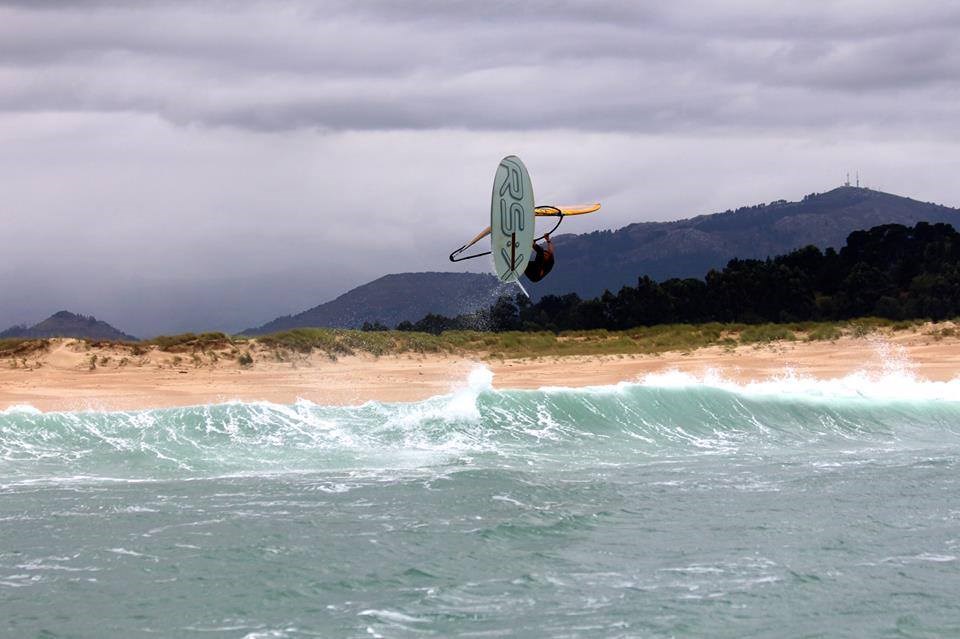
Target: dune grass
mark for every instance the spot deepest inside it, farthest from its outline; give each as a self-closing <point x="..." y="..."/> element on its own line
<point x="824" y="333"/>
<point x="766" y="333"/>
<point x="514" y="344"/>
<point x="20" y="346"/>
<point x="186" y="342"/>
<point x="335" y="341"/>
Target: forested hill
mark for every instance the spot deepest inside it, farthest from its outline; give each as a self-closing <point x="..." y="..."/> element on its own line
<point x="607" y="260"/>
<point x="590" y="263"/>
<point x="889" y="271"/>
<point x="67" y="324"/>
<point x="392" y="299"/>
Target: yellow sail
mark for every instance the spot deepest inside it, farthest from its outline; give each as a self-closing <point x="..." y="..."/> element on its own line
<point x="574" y="209"/>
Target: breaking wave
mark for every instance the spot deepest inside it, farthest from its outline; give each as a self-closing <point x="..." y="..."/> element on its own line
<point x="659" y="416"/>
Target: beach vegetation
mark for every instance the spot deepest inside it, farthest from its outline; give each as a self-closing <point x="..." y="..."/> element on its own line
<point x="889" y="273"/>
<point x="336" y="343"/>
<point x="21" y="346"/>
<point x="304" y="340"/>
<point x="824" y="332"/>
<point x="728" y="344"/>
<point x="766" y="333"/>
<point x="186" y="342"/>
<point x="939" y="334"/>
<point x="861" y="329"/>
<point x="906" y="325"/>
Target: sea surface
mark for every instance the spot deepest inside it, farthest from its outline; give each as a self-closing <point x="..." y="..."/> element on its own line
<point x="670" y="507"/>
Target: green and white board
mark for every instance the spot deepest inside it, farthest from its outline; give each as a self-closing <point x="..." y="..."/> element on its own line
<point x="511" y="219"/>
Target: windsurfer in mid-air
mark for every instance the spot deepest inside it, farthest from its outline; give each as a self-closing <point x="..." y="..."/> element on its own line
<point x="513" y="216"/>
<point x="541" y="262"/>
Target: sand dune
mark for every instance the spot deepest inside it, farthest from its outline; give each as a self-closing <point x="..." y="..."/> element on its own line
<point x="72" y="375"/>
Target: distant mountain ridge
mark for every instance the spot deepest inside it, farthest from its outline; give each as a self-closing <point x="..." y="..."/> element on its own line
<point x="394" y="298"/>
<point x="590" y="263"/>
<point x="67" y="324"/>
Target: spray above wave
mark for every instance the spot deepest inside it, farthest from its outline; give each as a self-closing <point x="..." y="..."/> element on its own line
<point x="661" y="416"/>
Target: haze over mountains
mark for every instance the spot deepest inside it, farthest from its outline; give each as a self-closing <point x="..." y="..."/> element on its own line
<point x="590" y="263"/>
<point x="67" y="324"/>
<point x="393" y="298"/>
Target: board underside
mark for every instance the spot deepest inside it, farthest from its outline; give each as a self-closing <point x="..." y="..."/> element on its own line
<point x="511" y="219"/>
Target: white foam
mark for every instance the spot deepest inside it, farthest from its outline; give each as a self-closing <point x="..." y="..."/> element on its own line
<point x="391" y="615"/>
<point x="891" y="376"/>
<point x="21" y="409"/>
<point x="480" y="378"/>
<point x="459" y="405"/>
<point x="463" y="402"/>
<point x="895" y="378"/>
<point x="891" y="385"/>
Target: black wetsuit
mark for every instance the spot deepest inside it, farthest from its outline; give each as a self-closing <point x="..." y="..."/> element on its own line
<point x="540" y="264"/>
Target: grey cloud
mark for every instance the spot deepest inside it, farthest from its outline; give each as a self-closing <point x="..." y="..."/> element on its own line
<point x="182" y="165"/>
<point x="596" y="66"/>
<point x="165" y="229"/>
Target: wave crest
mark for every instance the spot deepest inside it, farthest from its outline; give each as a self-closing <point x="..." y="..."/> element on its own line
<point x="665" y="415"/>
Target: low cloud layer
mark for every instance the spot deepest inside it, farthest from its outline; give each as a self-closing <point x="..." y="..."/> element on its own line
<point x="276" y="153"/>
<point x="268" y="66"/>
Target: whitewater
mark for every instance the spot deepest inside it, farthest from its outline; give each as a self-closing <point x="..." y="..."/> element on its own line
<point x="670" y="506"/>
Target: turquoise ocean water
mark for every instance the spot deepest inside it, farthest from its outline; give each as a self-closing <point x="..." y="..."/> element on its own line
<point x="672" y="507"/>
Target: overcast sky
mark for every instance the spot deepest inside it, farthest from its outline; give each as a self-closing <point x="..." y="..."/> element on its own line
<point x="171" y="166"/>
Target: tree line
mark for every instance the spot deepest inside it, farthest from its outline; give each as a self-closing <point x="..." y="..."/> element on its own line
<point x="890" y="271"/>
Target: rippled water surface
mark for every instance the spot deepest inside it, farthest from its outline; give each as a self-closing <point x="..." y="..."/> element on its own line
<point x="670" y="507"/>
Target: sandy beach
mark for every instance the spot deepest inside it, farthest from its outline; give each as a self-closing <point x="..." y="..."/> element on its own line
<point x="62" y="377"/>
